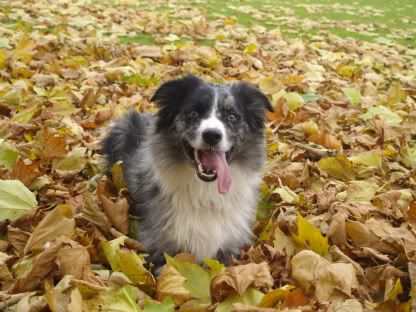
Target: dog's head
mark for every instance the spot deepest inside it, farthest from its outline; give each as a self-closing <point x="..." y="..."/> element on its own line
<point x="212" y="123"/>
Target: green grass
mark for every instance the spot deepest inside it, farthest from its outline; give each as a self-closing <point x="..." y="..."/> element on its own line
<point x="360" y="19"/>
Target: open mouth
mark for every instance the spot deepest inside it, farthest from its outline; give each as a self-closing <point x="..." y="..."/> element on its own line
<point x="205" y="173"/>
<point x="211" y="165"/>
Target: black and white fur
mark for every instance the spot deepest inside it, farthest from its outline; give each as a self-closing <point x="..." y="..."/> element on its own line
<point x="179" y="211"/>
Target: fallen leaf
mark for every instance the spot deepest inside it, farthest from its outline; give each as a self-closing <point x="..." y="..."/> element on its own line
<point x="252" y="297"/>
<point x="287" y="195"/>
<point x="353" y="95"/>
<point x="50" y="146"/>
<point x="15" y="199"/>
<point x="361" y="191"/>
<point x="197" y="280"/>
<point x="41" y="267"/>
<point x="385" y="114"/>
<point x="166" y="306"/>
<point x="117" y="212"/>
<point x="18" y="239"/>
<point x="58" y="222"/>
<point x="310" y="237"/>
<point x="325" y="139"/>
<point x="295" y="298"/>
<point x="283" y="243"/>
<point x="171" y="284"/>
<point x="239" y="278"/>
<point x="338" y="167"/>
<point x="328" y="280"/>
<point x="72" y="163"/>
<point x="271" y="299"/>
<point x="73" y="260"/>
<point x="26" y="171"/>
<point x="128" y="262"/>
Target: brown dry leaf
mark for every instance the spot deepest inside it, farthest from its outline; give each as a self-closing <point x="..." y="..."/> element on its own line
<point x="337" y="234"/>
<point x="362" y="236"/>
<point x="73" y="260"/>
<point x="349" y="305"/>
<point x="42" y="266"/>
<point x="88" y="98"/>
<point x="58" y="222"/>
<point x="281" y="111"/>
<point x="103" y="115"/>
<point x="237" y="279"/>
<point x="412" y="276"/>
<point x="50" y="146"/>
<point x="92" y="213"/>
<point x="25" y="171"/>
<point x="18" y="239"/>
<point x="3" y="245"/>
<point x="31" y="303"/>
<point x="170" y="284"/>
<point x="57" y="300"/>
<point x="412" y="212"/>
<point x="325" y="139"/>
<point x="329" y="281"/>
<point x="148" y="51"/>
<point x="295" y="298"/>
<point x="118" y="211"/>
<point x="29" y="220"/>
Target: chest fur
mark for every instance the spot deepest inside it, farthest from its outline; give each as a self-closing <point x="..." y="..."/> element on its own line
<point x="202" y="221"/>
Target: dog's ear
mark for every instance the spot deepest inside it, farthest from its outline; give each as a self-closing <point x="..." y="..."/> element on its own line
<point x="254" y="102"/>
<point x="170" y="97"/>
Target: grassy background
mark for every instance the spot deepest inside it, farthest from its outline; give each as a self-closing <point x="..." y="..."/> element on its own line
<point x="385" y="21"/>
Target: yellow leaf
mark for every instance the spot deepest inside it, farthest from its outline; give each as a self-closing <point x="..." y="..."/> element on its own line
<point x="395" y="94"/>
<point x="310" y="237"/>
<point x="310" y="127"/>
<point x="250" y="49"/>
<point x="271" y="299"/>
<point x="3" y="58"/>
<point x="269" y="85"/>
<point x="230" y="21"/>
<point x="294" y="100"/>
<point x="287" y="195"/>
<point x="369" y="159"/>
<point x="24" y="49"/>
<point x="338" y="167"/>
<point x="396" y="290"/>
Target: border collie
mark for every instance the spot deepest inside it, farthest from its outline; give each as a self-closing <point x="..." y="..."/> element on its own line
<point x="193" y="170"/>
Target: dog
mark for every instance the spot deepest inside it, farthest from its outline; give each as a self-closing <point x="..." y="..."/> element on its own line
<point x="193" y="170"/>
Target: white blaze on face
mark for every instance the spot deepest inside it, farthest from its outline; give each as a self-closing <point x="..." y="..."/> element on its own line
<point x="213" y="122"/>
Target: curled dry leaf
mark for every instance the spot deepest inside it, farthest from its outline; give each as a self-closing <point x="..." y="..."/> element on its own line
<point x="58" y="222"/>
<point x="18" y="239"/>
<point x="50" y="146"/>
<point x="118" y="211"/>
<point x="73" y="260"/>
<point x="329" y="281"/>
<point x="92" y="213"/>
<point x="325" y="139"/>
<point x="41" y="267"/>
<point x="337" y="234"/>
<point x="26" y="171"/>
<point x="237" y="279"/>
<point x="170" y="283"/>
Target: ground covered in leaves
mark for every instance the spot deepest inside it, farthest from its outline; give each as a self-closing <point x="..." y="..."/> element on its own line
<point x="336" y="223"/>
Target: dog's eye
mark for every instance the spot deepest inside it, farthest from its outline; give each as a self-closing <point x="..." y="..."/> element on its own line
<point x="193" y="114"/>
<point x="232" y="117"/>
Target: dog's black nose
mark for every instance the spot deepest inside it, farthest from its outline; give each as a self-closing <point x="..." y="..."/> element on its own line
<point x="211" y="136"/>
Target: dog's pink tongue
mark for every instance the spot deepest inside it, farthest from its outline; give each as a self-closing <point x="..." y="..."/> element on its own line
<point x="217" y="161"/>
